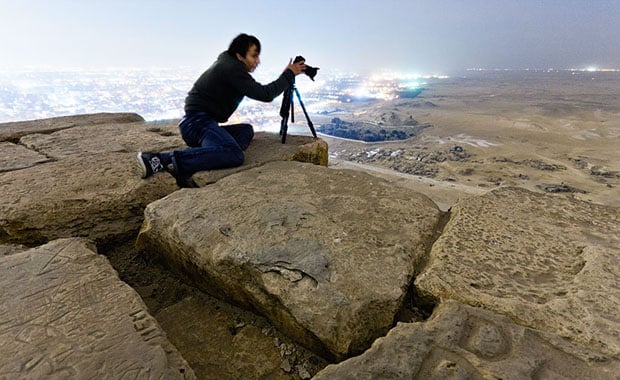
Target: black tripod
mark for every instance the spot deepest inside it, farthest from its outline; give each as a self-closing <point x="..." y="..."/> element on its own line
<point x="287" y="104"/>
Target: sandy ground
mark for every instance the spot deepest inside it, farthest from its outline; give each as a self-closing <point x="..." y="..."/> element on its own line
<point x="559" y="132"/>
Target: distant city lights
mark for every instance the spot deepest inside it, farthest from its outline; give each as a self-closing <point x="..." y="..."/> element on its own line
<point x="590" y="69"/>
<point x="158" y="94"/>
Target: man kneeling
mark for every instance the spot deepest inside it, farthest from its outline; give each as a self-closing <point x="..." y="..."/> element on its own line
<point x="212" y="100"/>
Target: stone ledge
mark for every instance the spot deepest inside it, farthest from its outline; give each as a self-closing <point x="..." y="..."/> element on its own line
<point x="64" y="313"/>
<point x="546" y="262"/>
<point x="14" y="130"/>
<point x="463" y="342"/>
<point x="327" y="255"/>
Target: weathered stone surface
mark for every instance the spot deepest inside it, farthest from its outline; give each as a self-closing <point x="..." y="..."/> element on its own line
<point x="89" y="185"/>
<point x="14" y="130"/>
<point x="64" y="314"/>
<point x="463" y="342"/>
<point x="547" y="262"/>
<point x="105" y="138"/>
<point x="13" y="156"/>
<point x="9" y="249"/>
<point x="101" y="197"/>
<point x="267" y="147"/>
<point x="326" y="254"/>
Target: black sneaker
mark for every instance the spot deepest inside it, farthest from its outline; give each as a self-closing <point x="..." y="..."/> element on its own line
<point x="182" y="181"/>
<point x="149" y="164"/>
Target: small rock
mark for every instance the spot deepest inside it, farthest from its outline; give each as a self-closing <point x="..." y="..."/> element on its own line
<point x="286" y="349"/>
<point x="303" y="372"/>
<point x="240" y="325"/>
<point x="285" y="366"/>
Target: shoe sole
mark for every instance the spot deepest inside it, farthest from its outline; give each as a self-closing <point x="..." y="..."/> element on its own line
<point x="140" y="164"/>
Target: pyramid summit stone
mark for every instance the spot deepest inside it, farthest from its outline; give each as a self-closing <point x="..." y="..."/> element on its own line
<point x="327" y="255"/>
<point x="547" y="262"/>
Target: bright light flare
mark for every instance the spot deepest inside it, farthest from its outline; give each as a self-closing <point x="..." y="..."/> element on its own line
<point x="410" y="85"/>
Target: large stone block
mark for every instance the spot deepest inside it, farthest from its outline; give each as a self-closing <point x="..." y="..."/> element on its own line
<point x="547" y="262"/>
<point x="89" y="140"/>
<point x="327" y="255"/>
<point x="463" y="342"/>
<point x="14" y="130"/>
<point x="80" y="180"/>
<point x="267" y="147"/>
<point x="64" y="314"/>
<point x="99" y="196"/>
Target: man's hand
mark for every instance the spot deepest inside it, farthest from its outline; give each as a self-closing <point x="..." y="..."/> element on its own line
<point x="296" y="68"/>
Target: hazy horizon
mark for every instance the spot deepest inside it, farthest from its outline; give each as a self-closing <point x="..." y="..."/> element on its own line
<point x="354" y="36"/>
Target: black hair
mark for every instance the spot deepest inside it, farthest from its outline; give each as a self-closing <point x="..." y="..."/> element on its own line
<point x="242" y="43"/>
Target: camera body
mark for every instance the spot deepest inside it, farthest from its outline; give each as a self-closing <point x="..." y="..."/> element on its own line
<point x="310" y="71"/>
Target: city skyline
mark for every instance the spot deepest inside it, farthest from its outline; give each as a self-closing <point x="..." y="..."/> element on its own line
<point x="355" y="36"/>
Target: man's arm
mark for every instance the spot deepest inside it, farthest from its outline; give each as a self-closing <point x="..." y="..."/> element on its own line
<point x="245" y="84"/>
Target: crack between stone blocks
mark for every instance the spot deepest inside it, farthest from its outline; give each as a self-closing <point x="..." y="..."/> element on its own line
<point x="424" y="305"/>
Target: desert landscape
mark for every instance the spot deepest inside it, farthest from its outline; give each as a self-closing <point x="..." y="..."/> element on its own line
<point x="556" y="132"/>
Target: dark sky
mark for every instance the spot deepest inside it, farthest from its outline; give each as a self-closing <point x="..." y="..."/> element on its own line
<point x="423" y="36"/>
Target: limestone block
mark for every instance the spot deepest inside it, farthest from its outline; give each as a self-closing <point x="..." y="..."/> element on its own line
<point x="99" y="196"/>
<point x="267" y="147"/>
<point x="547" y="262"/>
<point x="326" y="254"/>
<point x="64" y="314"/>
<point x="14" y="130"/>
<point x="13" y="157"/>
<point x="463" y="342"/>
<point x="88" y="140"/>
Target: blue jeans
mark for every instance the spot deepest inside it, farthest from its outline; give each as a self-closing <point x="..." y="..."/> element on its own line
<point x="210" y="146"/>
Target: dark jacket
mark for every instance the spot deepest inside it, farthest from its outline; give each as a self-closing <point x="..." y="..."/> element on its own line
<point x="220" y="89"/>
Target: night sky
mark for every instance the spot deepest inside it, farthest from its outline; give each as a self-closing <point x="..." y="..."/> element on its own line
<point x="424" y="36"/>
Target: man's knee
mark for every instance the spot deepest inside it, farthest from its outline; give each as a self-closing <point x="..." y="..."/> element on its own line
<point x="244" y="133"/>
<point x="248" y="130"/>
<point x="237" y="157"/>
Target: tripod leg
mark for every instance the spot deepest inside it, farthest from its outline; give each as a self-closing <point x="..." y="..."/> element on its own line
<point x="284" y="128"/>
<point x="292" y="108"/>
<point x="305" y="113"/>
<point x="285" y="111"/>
